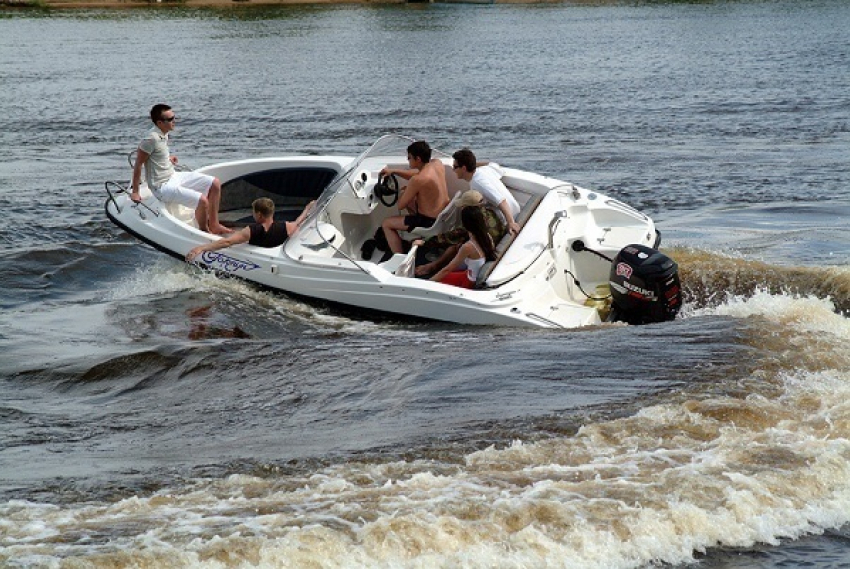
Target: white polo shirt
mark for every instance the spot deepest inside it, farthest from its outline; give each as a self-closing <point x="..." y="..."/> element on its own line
<point x="488" y="181"/>
<point x="158" y="168"/>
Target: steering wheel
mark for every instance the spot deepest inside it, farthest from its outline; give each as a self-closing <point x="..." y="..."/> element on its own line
<point x="386" y="190"/>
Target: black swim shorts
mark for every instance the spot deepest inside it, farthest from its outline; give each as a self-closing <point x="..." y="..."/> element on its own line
<point x="416" y="220"/>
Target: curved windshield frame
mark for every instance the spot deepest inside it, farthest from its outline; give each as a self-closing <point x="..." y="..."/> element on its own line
<point x="390" y="145"/>
<point x="391" y="148"/>
<point x="386" y="145"/>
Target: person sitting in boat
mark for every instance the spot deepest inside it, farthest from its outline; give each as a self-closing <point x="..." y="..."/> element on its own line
<point x="424" y="197"/>
<point x="266" y="232"/>
<point x="474" y="253"/>
<point x="435" y="252"/>
<point x="191" y="189"/>
<point x="488" y="181"/>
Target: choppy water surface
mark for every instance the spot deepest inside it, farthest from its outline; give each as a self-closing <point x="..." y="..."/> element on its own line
<point x="153" y="415"/>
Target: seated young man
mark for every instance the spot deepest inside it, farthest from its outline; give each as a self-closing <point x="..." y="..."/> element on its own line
<point x="425" y="196"/>
<point x="489" y="183"/>
<point x="191" y="189"/>
<point x="266" y="232"/>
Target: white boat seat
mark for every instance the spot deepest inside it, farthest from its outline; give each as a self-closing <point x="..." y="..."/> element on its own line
<point x="448" y="219"/>
<point x="178" y="211"/>
<point x="401" y="264"/>
<point x="504" y="244"/>
<point x="181" y="212"/>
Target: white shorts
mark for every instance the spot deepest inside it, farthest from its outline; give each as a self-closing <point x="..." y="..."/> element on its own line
<point x="185" y="188"/>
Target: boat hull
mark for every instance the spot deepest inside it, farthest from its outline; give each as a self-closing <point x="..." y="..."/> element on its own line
<point x="539" y="280"/>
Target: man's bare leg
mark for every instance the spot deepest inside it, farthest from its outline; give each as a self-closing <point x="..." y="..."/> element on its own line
<point x="214" y="196"/>
<point x="392" y="225"/>
<point x="201" y="214"/>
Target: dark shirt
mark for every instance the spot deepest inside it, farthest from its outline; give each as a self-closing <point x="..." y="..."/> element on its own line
<point x="276" y="235"/>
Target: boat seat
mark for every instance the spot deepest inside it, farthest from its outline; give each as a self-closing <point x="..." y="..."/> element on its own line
<point x="176" y="210"/>
<point x="402" y="264"/>
<point x="448" y="219"/>
<point x="505" y="242"/>
<point x="182" y="213"/>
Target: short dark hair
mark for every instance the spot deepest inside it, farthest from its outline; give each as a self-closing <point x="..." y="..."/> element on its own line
<point x="421" y="150"/>
<point x="157" y="110"/>
<point x="464" y="157"/>
<point x="263" y="206"/>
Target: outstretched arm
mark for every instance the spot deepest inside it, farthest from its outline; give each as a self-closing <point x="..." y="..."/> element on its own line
<point x="404" y="173"/>
<point x="233" y="239"/>
<point x="292" y="226"/>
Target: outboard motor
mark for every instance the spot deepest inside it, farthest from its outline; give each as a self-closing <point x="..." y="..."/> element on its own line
<point x="644" y="286"/>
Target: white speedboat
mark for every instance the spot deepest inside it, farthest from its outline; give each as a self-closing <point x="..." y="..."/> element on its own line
<point x="576" y="247"/>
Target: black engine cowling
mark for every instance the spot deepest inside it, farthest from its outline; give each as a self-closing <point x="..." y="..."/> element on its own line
<point x="644" y="286"/>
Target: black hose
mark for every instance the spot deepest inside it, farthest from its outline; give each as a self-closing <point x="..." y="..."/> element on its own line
<point x="578" y="284"/>
<point x="578" y="246"/>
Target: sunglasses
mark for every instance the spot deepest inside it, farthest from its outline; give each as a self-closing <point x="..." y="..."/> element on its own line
<point x="169" y="119"/>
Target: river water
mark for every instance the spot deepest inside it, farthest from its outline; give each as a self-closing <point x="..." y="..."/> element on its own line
<point x="152" y="415"/>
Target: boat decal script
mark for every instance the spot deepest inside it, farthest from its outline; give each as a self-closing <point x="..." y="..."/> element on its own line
<point x="222" y="262"/>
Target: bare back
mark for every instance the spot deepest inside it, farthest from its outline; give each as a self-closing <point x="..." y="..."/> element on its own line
<point x="427" y="190"/>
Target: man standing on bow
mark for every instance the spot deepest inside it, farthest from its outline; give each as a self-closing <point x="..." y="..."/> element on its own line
<point x="264" y="232"/>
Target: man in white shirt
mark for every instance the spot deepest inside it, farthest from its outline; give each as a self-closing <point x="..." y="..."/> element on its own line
<point x="488" y="181"/>
<point x="191" y="189"/>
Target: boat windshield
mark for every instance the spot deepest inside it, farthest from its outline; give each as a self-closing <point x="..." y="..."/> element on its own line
<point x="391" y="146"/>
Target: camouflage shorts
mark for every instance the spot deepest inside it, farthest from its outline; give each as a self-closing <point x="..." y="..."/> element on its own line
<point x="495" y="227"/>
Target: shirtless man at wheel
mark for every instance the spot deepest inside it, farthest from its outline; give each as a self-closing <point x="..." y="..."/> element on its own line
<point x="424" y="197"/>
